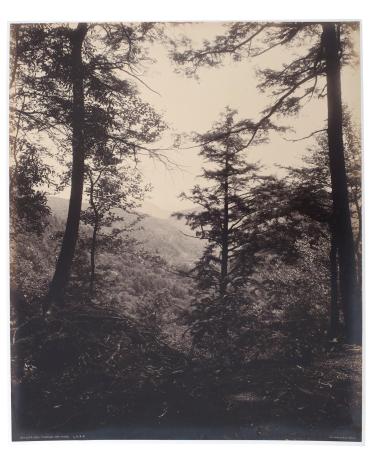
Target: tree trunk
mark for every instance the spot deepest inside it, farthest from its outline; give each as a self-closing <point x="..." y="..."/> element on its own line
<point x="334" y="310"/>
<point x="64" y="263"/>
<point x="341" y="211"/>
<point x="14" y="31"/>
<point x="92" y="259"/>
<point x="358" y="246"/>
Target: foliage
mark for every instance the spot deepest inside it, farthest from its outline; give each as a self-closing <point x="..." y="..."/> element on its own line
<point x="28" y="204"/>
<point x="323" y="49"/>
<point x="294" y="82"/>
<point x="128" y="276"/>
<point x="110" y="189"/>
<point x="234" y="339"/>
<point x="88" y="366"/>
<point x="224" y="206"/>
<point x="85" y="106"/>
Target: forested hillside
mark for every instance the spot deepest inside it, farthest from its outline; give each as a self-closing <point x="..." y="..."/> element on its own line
<point x="139" y="282"/>
<point x="159" y="235"/>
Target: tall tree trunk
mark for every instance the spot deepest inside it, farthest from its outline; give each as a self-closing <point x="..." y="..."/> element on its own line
<point x="342" y="218"/>
<point x="92" y="258"/>
<point x="14" y="31"/>
<point x="358" y="245"/>
<point x="334" y="309"/>
<point x="225" y="233"/>
<point x="64" y="263"/>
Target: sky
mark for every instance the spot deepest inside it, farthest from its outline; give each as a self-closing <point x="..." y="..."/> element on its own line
<point x="189" y="105"/>
<point x="193" y="105"/>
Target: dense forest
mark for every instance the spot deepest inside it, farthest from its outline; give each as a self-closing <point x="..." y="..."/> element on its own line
<point x="237" y="317"/>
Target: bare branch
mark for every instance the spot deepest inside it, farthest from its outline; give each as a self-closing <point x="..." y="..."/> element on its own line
<point x="306" y="137"/>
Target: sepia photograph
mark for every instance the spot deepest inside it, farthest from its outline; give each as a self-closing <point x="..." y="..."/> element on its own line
<point x="185" y="230"/>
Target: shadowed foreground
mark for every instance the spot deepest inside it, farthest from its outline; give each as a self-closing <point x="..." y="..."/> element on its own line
<point x="94" y="375"/>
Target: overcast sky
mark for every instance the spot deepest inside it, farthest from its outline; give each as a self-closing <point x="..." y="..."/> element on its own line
<point x="190" y="105"/>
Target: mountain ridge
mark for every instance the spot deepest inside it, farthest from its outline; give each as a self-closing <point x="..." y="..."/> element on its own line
<point x="168" y="237"/>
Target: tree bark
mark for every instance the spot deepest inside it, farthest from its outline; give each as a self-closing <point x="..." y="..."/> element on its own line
<point x="341" y="211"/>
<point x="92" y="259"/>
<point x="63" y="267"/>
<point x="334" y="309"/>
<point x="358" y="244"/>
<point x="14" y="31"/>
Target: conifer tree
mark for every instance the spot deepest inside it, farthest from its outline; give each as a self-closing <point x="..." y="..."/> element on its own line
<point x="222" y="209"/>
<point x="316" y="72"/>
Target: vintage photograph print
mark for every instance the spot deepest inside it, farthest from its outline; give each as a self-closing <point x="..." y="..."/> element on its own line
<point x="185" y="230"/>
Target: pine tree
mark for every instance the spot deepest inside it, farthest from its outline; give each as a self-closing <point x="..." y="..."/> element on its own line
<point x="222" y="207"/>
<point x="316" y="72"/>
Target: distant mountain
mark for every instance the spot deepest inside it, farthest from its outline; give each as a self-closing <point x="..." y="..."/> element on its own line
<point x="153" y="210"/>
<point x="165" y="236"/>
<point x="59" y="206"/>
